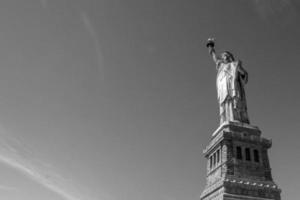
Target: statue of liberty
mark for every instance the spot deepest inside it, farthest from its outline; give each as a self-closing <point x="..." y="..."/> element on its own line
<point x="231" y="79"/>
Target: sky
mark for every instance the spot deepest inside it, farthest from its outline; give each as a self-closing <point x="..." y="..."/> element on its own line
<point x="115" y="100"/>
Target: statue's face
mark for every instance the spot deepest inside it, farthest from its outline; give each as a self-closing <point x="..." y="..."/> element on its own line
<point x="226" y="57"/>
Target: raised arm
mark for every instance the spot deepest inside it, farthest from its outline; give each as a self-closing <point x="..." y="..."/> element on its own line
<point x="212" y="52"/>
<point x="211" y="49"/>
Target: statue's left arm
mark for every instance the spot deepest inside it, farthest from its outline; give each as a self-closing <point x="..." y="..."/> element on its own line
<point x="243" y="73"/>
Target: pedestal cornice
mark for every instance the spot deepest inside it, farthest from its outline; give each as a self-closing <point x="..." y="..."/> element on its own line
<point x="239" y="132"/>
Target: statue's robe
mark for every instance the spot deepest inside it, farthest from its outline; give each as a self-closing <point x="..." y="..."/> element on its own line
<point x="231" y="79"/>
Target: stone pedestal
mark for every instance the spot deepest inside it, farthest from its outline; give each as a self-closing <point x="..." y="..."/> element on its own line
<point x="238" y="166"/>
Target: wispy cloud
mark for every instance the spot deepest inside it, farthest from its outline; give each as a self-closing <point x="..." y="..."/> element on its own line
<point x="87" y="22"/>
<point x="15" y="154"/>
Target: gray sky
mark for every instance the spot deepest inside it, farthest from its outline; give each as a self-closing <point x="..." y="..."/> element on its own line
<point x="115" y="100"/>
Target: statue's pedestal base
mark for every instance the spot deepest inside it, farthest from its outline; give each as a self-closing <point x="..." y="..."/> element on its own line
<point x="238" y="165"/>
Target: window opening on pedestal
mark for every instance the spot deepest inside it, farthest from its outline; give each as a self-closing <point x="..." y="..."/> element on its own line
<point x="218" y="156"/>
<point x="214" y="156"/>
<point x="247" y="152"/>
<point x="239" y="153"/>
<point x="256" y="155"/>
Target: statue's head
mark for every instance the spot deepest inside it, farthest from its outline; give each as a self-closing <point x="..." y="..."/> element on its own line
<point x="227" y="57"/>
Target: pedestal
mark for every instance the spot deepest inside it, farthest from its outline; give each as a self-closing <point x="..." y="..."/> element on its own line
<point x="238" y="166"/>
